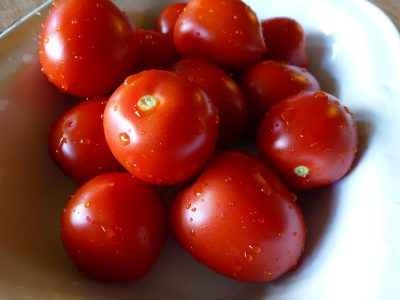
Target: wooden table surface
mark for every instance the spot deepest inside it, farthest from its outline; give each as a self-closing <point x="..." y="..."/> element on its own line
<point x="12" y="10"/>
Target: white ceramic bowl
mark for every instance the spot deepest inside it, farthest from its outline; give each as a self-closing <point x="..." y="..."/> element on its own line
<point x="353" y="250"/>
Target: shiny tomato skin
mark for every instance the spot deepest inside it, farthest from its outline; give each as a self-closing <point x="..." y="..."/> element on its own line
<point x="156" y="50"/>
<point x="285" y="40"/>
<point x="87" y="48"/>
<point x="310" y="139"/>
<point x="77" y="143"/>
<point x="227" y="33"/>
<point x="268" y="82"/>
<point x="223" y="92"/>
<point x="160" y="127"/>
<point x="239" y="219"/>
<point x="114" y="227"/>
<point x="166" y="20"/>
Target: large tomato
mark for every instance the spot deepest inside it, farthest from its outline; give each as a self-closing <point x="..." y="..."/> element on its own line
<point x="240" y="220"/>
<point x="88" y="47"/>
<point x="113" y="227"/>
<point x="160" y="127"/>
<point x="227" y="33"/>
<point x="223" y="92"/>
<point x="77" y="143"/>
<point x="310" y="139"/>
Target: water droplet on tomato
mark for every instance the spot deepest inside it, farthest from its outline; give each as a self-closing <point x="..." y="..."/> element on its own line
<point x="235" y="17"/>
<point x="188" y="205"/>
<point x="58" y="28"/>
<point x="267" y="273"/>
<point x="340" y="155"/>
<point x="46" y="40"/>
<point x="295" y="233"/>
<point x="193" y="209"/>
<point x="74" y="21"/>
<point x="191" y="219"/>
<point x="87" y="204"/>
<point x="320" y="95"/>
<point x="124" y="138"/>
<point x="70" y="124"/>
<point x="237" y="266"/>
<point x="248" y="256"/>
<point x="228" y="179"/>
<point x="192" y="232"/>
<point x="108" y="231"/>
<point x="255" y="248"/>
<point x="85" y="141"/>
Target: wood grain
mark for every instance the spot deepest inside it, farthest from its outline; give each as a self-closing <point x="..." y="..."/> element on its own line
<point x="12" y="10"/>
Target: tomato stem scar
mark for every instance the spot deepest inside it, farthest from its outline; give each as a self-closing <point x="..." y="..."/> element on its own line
<point x="147" y="102"/>
<point x="301" y="171"/>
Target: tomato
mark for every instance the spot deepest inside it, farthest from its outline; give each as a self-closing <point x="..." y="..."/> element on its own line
<point x="227" y="33"/>
<point x="239" y="219"/>
<point x="285" y="40"/>
<point x="156" y="50"/>
<point x="162" y="128"/>
<point x="310" y="139"/>
<point x="166" y="20"/>
<point x="269" y="82"/>
<point x="113" y="227"/>
<point x="223" y="92"/>
<point x="87" y="48"/>
<point x="77" y="143"/>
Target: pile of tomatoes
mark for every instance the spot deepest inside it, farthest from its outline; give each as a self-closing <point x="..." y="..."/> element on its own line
<point x="177" y="106"/>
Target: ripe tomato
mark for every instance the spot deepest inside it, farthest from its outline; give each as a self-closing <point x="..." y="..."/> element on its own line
<point x="239" y="219"/>
<point x="310" y="139"/>
<point x="77" y="143"/>
<point x="156" y="50"/>
<point x="162" y="128"/>
<point x="167" y="18"/>
<point x="113" y="227"/>
<point x="269" y="82"/>
<point x="285" y="40"/>
<point x="223" y="92"/>
<point x="87" y="48"/>
<point x="227" y="33"/>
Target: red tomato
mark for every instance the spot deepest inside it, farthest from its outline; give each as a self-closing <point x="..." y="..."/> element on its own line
<point x="156" y="50"/>
<point x="285" y="40"/>
<point x="77" y="143"/>
<point x="87" y="48"/>
<point x="223" y="92"/>
<point x="113" y="227"/>
<point x="240" y="220"/>
<point x="310" y="139"/>
<point x="269" y="82"/>
<point x="227" y="33"/>
<point x="162" y="128"/>
<point x="167" y="18"/>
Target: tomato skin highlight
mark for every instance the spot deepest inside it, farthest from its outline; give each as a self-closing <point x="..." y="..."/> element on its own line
<point x="114" y="227"/>
<point x="268" y="82"/>
<point x="310" y="139"/>
<point x="77" y="143"/>
<point x="160" y="127"/>
<point x="166" y="20"/>
<point x="285" y="40"/>
<point x="87" y="48"/>
<point x="227" y="33"/>
<point x="223" y="92"/>
<point x="240" y="220"/>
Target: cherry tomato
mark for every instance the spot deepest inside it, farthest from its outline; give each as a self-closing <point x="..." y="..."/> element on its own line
<point x="239" y="219"/>
<point x="285" y="40"/>
<point x="162" y="128"/>
<point x="310" y="139"/>
<point x="156" y="50"/>
<point x="227" y="33"/>
<point x="87" y="48"/>
<point x="113" y="227"/>
<point x="167" y="18"/>
<point x="269" y="82"/>
<point x="77" y="143"/>
<point x="223" y="92"/>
